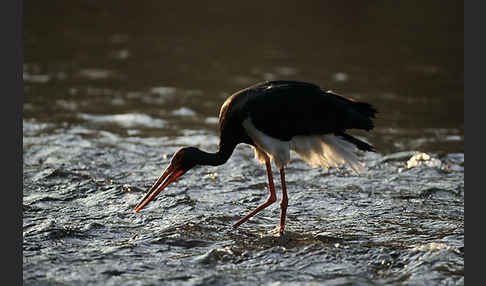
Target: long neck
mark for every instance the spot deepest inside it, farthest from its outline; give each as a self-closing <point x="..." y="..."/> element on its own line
<point x="218" y="158"/>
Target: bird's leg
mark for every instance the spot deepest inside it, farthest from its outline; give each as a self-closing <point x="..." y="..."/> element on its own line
<point x="272" y="197"/>
<point x="283" y="202"/>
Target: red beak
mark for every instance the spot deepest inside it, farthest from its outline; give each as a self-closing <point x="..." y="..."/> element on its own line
<point x="170" y="174"/>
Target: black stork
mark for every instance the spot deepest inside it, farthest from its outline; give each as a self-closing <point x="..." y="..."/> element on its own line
<point x="275" y="117"/>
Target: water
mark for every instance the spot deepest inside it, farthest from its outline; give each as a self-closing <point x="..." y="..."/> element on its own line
<point x="111" y="93"/>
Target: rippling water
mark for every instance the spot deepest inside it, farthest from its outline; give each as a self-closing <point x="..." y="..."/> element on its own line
<point x="112" y="92"/>
<point x="392" y="224"/>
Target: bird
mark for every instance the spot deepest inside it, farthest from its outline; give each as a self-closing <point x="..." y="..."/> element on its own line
<point x="274" y="118"/>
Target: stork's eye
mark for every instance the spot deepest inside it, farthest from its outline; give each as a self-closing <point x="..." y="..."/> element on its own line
<point x="178" y="156"/>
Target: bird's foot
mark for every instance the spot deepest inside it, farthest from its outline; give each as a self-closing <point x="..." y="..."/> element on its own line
<point x="278" y="231"/>
<point x="279" y="237"/>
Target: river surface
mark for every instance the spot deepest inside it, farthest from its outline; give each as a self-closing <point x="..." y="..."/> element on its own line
<point x="112" y="91"/>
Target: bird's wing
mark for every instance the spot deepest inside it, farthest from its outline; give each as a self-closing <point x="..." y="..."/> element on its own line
<point x="285" y="109"/>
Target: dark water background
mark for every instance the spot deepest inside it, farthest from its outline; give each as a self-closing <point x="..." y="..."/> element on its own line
<point x="111" y="90"/>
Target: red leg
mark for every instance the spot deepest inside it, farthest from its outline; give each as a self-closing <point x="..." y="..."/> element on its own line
<point x="284" y="202"/>
<point x="272" y="197"/>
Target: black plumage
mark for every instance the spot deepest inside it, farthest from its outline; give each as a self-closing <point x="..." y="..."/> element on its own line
<point x="284" y="109"/>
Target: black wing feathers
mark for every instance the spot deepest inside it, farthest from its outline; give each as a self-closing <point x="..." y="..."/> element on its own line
<point x="358" y="143"/>
<point x="283" y="109"/>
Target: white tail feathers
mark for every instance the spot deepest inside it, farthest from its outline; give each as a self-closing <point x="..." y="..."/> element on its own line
<point x="317" y="150"/>
<point x="327" y="151"/>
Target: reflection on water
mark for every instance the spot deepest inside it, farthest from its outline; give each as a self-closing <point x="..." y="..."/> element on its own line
<point x="112" y="90"/>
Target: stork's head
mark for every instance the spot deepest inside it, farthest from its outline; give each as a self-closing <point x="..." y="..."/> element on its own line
<point x="181" y="162"/>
